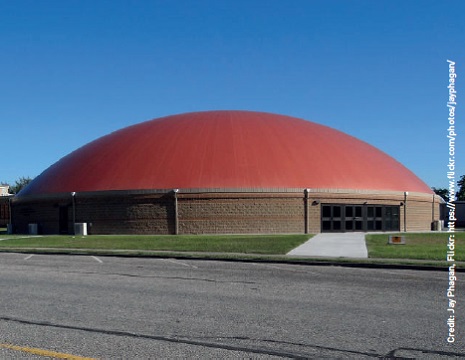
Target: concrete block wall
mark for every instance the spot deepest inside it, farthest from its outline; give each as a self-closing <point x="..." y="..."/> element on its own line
<point x="420" y="209"/>
<point x="240" y="213"/>
<point x="111" y="214"/>
<point x="208" y="212"/>
<point x="421" y="212"/>
<point x="317" y="198"/>
<point x="45" y="213"/>
<point x="128" y="214"/>
<point x="4" y="210"/>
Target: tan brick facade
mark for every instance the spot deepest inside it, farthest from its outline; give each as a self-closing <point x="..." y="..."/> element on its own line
<point x="209" y="211"/>
<point x="241" y="213"/>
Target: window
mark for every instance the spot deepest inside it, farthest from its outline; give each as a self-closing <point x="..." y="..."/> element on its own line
<point x="350" y="217"/>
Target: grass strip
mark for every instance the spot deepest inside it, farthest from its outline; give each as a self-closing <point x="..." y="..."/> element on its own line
<point x="421" y="246"/>
<point x="245" y="244"/>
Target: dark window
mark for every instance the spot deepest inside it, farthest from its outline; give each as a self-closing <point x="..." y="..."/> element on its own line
<point x="370" y="212"/>
<point x="349" y="211"/>
<point x="326" y="211"/>
<point x="326" y="225"/>
<point x="370" y="225"/>
<point x="341" y="217"/>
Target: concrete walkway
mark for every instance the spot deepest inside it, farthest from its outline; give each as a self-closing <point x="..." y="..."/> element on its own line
<point x="349" y="245"/>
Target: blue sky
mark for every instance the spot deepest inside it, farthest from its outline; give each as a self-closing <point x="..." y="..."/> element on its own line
<point x="72" y="71"/>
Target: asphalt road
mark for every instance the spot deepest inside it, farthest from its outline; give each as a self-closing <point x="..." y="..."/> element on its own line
<point x="111" y="307"/>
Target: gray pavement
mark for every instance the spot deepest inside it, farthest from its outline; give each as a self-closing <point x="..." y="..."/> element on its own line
<point x="136" y="308"/>
<point x="349" y="245"/>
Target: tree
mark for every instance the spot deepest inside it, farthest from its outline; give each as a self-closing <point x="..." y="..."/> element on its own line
<point x="461" y="193"/>
<point x="20" y="184"/>
<point x="442" y="192"/>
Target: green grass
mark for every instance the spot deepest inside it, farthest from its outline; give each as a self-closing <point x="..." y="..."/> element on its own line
<point x="428" y="247"/>
<point x="245" y="244"/>
<point x="424" y="246"/>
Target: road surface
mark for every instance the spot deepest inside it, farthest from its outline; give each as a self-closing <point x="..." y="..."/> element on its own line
<point x="110" y="308"/>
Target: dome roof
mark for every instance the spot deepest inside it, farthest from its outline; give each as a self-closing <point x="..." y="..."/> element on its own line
<point x="226" y="149"/>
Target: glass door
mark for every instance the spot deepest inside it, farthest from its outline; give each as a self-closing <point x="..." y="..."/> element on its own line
<point x="353" y="218"/>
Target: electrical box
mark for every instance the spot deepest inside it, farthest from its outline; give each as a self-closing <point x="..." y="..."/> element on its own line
<point x="396" y="239"/>
<point x="33" y="229"/>
<point x="80" y="229"/>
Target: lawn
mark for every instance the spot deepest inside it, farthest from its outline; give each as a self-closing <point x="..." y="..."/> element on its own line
<point x="420" y="246"/>
<point x="245" y="244"/>
<point x="424" y="246"/>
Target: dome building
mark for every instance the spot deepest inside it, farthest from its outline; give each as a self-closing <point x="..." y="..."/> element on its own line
<point x="226" y="172"/>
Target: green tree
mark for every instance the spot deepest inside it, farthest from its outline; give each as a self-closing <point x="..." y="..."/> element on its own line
<point x="442" y="192"/>
<point x="461" y="193"/>
<point x="20" y="184"/>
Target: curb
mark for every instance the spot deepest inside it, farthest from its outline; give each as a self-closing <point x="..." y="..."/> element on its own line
<point x="400" y="264"/>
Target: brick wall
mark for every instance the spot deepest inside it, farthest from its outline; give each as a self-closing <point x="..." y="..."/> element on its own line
<point x="43" y="212"/>
<point x="207" y="212"/>
<point x="420" y="210"/>
<point x="128" y="214"/>
<point x="4" y="210"/>
<point x="241" y="213"/>
<point x="104" y="214"/>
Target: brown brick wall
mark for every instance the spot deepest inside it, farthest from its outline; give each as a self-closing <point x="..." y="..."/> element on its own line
<point x="419" y="207"/>
<point x="129" y="214"/>
<point x="4" y="210"/>
<point x="42" y="212"/>
<point x="207" y="213"/>
<point x="116" y="214"/>
<point x="420" y="213"/>
<point x="233" y="213"/>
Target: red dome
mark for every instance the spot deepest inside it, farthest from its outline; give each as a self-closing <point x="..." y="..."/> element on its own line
<point x="226" y="149"/>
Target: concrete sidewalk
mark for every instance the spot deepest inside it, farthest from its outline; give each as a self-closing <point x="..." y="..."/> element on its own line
<point x="349" y="245"/>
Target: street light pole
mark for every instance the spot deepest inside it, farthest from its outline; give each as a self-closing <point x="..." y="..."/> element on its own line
<point x="405" y="211"/>
<point x="73" y="194"/>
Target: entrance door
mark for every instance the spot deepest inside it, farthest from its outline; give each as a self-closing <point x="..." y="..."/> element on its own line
<point x="374" y="218"/>
<point x="63" y="220"/>
<point x="391" y="218"/>
<point x="353" y="218"/>
<point x="349" y="217"/>
<point x="331" y="218"/>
